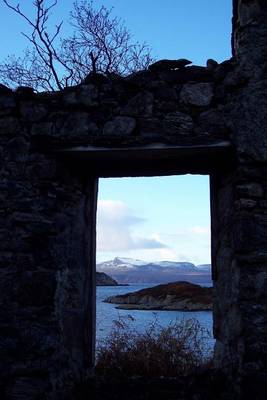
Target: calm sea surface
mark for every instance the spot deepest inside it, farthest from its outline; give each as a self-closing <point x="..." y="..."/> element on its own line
<point x="139" y="320"/>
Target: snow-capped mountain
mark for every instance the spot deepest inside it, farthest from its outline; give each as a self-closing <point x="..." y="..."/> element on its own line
<point x="121" y="264"/>
<point x="127" y="270"/>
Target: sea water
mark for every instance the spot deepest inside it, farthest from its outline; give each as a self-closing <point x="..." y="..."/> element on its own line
<point x="107" y="314"/>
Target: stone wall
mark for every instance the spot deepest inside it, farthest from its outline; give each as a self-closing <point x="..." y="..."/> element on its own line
<point x="246" y="239"/>
<point x="183" y="106"/>
<point x="49" y="146"/>
<point x="48" y="205"/>
<point x="46" y="282"/>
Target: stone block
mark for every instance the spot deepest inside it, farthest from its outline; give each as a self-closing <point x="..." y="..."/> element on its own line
<point x="178" y="123"/>
<point x="139" y="105"/>
<point x="196" y="94"/>
<point x="7" y="101"/>
<point x="24" y="92"/>
<point x="249" y="233"/>
<point x="245" y="203"/>
<point x="31" y="111"/>
<point x="251" y="189"/>
<point x="166" y="93"/>
<point x="43" y="129"/>
<point x="76" y="125"/>
<point x="150" y="126"/>
<point x="120" y="126"/>
<point x="9" y="126"/>
<point x="85" y="95"/>
<point x="235" y="78"/>
<point x="253" y="283"/>
<point x="173" y="76"/>
<point x="36" y="289"/>
<point x="198" y="74"/>
<point x="211" y="122"/>
<point x="17" y="149"/>
<point x="188" y="74"/>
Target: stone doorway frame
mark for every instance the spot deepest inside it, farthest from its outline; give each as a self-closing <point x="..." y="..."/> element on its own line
<point x="151" y="160"/>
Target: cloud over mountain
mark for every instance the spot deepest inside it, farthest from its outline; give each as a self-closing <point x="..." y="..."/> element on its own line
<point x="115" y="229"/>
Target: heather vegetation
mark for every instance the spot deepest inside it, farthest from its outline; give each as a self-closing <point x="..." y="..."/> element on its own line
<point x="173" y="351"/>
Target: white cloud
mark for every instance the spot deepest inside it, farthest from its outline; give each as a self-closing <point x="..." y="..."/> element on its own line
<point x="188" y="233"/>
<point x="166" y="254"/>
<point x="114" y="229"/>
<point x="119" y="233"/>
<point x="188" y="244"/>
<point x="199" y="230"/>
<point x="110" y="211"/>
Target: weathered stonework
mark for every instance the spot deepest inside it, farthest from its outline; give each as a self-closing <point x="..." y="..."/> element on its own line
<point x="54" y="146"/>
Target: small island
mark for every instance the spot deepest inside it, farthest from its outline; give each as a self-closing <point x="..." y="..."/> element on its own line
<point x="174" y="296"/>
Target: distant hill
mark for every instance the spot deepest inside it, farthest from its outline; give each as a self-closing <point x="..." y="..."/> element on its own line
<point x="204" y="267"/>
<point x="127" y="270"/>
<point x="103" y="279"/>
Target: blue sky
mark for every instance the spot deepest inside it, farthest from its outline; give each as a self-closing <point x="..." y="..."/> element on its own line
<point x="159" y="218"/>
<point x="193" y="29"/>
<point x="152" y="218"/>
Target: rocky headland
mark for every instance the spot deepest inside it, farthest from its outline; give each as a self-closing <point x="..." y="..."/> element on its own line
<point x="176" y="296"/>
<point x="103" y="279"/>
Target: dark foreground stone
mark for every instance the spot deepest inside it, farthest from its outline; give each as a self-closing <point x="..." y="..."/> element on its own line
<point x="203" y="386"/>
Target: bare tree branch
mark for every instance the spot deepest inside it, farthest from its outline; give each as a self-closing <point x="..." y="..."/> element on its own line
<point x="100" y="43"/>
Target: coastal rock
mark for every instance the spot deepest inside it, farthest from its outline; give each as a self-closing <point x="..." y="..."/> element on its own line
<point x="103" y="279"/>
<point x="176" y="296"/>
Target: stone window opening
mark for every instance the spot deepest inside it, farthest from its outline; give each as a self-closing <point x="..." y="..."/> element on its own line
<point x="112" y="213"/>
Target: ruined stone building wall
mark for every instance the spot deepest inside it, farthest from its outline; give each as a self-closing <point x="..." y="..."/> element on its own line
<point x="215" y="120"/>
<point x="46" y="312"/>
<point x="246" y="108"/>
<point x="48" y="205"/>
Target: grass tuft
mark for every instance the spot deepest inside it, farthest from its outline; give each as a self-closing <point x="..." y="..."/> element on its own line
<point x="173" y="351"/>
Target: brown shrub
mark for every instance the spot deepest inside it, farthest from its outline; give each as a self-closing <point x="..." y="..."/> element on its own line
<point x="172" y="351"/>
